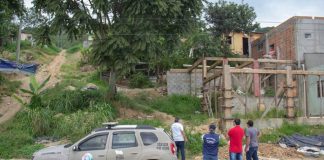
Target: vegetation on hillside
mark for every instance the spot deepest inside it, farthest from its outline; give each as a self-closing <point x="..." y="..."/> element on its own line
<point x="7" y="87"/>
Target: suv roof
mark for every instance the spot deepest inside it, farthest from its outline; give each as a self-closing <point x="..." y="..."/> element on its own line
<point x="121" y="127"/>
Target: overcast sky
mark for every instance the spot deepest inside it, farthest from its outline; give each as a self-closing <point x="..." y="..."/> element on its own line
<point x="273" y="12"/>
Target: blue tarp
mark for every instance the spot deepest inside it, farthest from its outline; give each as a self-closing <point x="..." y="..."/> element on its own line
<point x="297" y="140"/>
<point x="13" y="67"/>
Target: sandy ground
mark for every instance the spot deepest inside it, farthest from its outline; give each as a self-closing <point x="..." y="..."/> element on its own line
<point x="9" y="106"/>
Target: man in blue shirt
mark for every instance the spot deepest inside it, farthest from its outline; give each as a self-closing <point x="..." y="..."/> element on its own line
<point x="210" y="144"/>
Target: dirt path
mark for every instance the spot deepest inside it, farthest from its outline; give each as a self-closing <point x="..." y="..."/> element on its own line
<point x="9" y="106"/>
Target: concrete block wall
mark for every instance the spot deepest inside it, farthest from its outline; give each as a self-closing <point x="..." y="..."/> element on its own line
<point x="178" y="82"/>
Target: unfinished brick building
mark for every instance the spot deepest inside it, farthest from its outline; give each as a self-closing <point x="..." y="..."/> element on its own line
<point x="300" y="39"/>
<point x="292" y="39"/>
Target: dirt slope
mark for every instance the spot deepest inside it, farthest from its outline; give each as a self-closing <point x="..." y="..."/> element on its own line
<point x="9" y="106"/>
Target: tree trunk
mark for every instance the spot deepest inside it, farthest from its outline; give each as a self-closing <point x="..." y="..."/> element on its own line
<point x="112" y="91"/>
<point x="158" y="75"/>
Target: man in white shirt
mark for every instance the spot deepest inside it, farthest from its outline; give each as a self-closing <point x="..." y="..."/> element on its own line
<point x="179" y="137"/>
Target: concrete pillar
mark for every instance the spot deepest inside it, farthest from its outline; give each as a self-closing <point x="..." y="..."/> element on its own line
<point x="227" y="120"/>
<point x="290" y="94"/>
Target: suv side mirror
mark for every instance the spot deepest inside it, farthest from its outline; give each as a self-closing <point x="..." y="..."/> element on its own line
<point x="75" y="148"/>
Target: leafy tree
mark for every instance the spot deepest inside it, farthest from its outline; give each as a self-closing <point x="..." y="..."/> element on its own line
<point x="226" y="17"/>
<point x="9" y="9"/>
<point x="125" y="31"/>
<point x="201" y="43"/>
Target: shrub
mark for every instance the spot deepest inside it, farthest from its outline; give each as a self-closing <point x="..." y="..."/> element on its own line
<point x="181" y="106"/>
<point x="150" y="122"/>
<point x="25" y="44"/>
<point x="74" y="126"/>
<point x="269" y="92"/>
<point x="16" y="139"/>
<point x="50" y="49"/>
<point x="74" y="48"/>
<point x="85" y="56"/>
<point x="42" y="121"/>
<point x="139" y="80"/>
<point x="11" y="47"/>
<point x="133" y="103"/>
<point x="71" y="101"/>
<point x="8" y="87"/>
<point x="194" y="144"/>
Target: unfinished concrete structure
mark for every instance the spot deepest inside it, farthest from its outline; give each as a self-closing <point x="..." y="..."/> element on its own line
<point x="299" y="39"/>
<point x="217" y="79"/>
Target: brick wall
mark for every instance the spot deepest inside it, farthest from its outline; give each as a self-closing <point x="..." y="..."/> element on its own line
<point x="282" y="37"/>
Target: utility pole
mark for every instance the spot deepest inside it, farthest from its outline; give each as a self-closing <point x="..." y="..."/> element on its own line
<point x="18" y="41"/>
<point x="19" y="35"/>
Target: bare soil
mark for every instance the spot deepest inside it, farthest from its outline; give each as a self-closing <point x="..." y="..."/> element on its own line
<point x="9" y="106"/>
<point x="267" y="152"/>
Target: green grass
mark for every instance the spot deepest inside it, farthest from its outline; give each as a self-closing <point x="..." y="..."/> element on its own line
<point x="17" y="137"/>
<point x="50" y="49"/>
<point x="273" y="113"/>
<point x="74" y="49"/>
<point x="7" y="87"/>
<point x="16" y="140"/>
<point x="133" y="103"/>
<point x="287" y="129"/>
<point x="139" y="80"/>
<point x="150" y="122"/>
<point x="181" y="106"/>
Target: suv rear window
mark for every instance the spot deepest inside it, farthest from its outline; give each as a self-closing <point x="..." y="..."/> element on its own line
<point x="148" y="138"/>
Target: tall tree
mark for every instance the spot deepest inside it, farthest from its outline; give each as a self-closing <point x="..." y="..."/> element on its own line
<point x="226" y="17"/>
<point x="9" y="9"/>
<point x="124" y="30"/>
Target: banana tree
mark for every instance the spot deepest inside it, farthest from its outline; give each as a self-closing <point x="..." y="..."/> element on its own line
<point x="35" y="91"/>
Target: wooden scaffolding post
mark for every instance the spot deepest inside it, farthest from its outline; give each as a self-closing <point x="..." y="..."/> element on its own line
<point x="290" y="94"/>
<point x="204" y="87"/>
<point x="227" y="120"/>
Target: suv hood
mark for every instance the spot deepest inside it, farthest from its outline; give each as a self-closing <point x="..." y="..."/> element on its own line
<point x="54" y="150"/>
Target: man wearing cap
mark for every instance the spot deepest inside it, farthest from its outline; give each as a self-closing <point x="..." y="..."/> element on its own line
<point x="251" y="147"/>
<point x="210" y="144"/>
<point x="179" y="137"/>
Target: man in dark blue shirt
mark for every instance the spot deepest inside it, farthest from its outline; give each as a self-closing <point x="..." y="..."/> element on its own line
<point x="210" y="144"/>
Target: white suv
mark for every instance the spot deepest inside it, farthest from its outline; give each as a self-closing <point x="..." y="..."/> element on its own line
<point x="115" y="142"/>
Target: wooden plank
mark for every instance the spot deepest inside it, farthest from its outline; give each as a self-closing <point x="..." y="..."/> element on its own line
<point x="263" y="71"/>
<point x="214" y="76"/>
<point x="195" y="64"/>
<point x="204" y="69"/>
<point x="266" y="77"/>
<point x="214" y="65"/>
<point x="290" y="98"/>
<point x="249" y="60"/>
<point x="227" y="97"/>
<point x="244" y="65"/>
<point x="275" y="61"/>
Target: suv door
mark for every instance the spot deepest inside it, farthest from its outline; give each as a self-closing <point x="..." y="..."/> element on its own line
<point x="93" y="147"/>
<point x="124" y="146"/>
